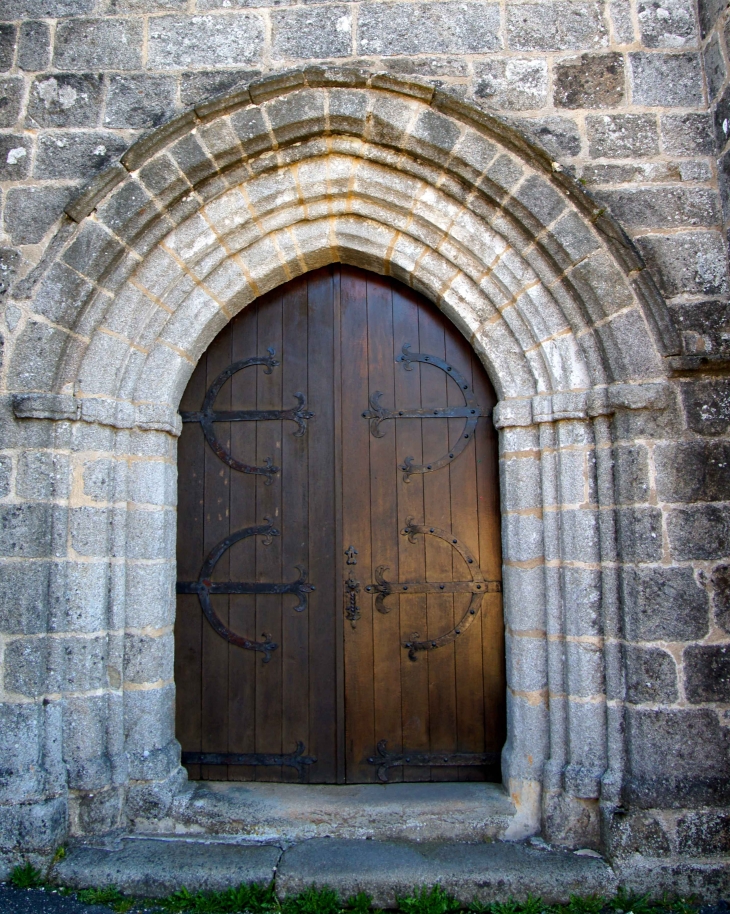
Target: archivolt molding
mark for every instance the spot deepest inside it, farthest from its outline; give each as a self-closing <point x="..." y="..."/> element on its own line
<point x="309" y="167"/>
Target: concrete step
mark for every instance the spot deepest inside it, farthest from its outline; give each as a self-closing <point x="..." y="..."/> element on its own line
<point x="294" y="812"/>
<point x="385" y="869"/>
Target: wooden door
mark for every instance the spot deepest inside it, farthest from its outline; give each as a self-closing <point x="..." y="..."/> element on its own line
<point x="339" y="606"/>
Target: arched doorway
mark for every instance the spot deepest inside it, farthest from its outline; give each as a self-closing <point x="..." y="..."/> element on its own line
<point x="338" y="524"/>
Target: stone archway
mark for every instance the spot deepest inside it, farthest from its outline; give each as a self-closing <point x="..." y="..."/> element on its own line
<point x="234" y="198"/>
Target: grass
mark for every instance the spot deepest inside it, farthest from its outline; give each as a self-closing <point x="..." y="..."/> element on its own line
<point x="258" y="899"/>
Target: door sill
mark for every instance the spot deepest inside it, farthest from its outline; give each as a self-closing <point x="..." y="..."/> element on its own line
<point x="287" y="813"/>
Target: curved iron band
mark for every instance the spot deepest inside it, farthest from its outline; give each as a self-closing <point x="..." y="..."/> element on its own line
<point x="207" y="416"/>
<point x="204" y="587"/>
<point x="478" y="586"/>
<point x="472" y="412"/>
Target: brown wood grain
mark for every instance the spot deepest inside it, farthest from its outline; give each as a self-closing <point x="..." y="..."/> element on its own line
<point x="336" y="688"/>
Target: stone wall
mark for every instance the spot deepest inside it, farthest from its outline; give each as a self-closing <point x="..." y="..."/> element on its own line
<point x="631" y="99"/>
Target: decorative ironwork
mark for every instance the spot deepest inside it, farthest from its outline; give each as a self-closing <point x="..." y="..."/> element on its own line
<point x="351" y="552"/>
<point x="385" y="760"/>
<point x="471" y="411"/>
<point x="207" y="416"/>
<point x="204" y="587"/>
<point x="352" y="589"/>
<point x="477" y="587"/>
<point x="296" y="759"/>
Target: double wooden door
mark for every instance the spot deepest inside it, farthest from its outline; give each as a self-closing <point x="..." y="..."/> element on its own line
<point x="339" y="602"/>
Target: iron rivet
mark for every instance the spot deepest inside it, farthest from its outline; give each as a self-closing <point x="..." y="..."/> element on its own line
<point x="435" y="412"/>
<point x="470" y="561"/>
<point x="433" y="644"/>
<point x="453" y="541"/>
<point x="479" y="586"/>
<point x="471" y="612"/>
<point x="465" y="386"/>
<point x="405" y="587"/>
<point x="441" y="586"/>
<point x="400" y="413"/>
<point x="451" y="456"/>
<point x="408" y="760"/>
<point x="448" y="367"/>
<point x="458" y="631"/>
<point x="431" y="530"/>
<point x="313" y="587"/>
<point x="364" y="415"/>
<point x="473" y="411"/>
<point x="466" y="436"/>
<point x="426" y="359"/>
<point x="428" y="467"/>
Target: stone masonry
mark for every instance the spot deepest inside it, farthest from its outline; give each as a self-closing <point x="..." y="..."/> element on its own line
<point x="452" y="145"/>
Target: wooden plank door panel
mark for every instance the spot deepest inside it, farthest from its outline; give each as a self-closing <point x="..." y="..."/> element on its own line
<point x="340" y="688"/>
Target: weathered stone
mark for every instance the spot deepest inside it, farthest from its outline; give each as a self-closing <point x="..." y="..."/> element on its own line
<point x="638" y="833"/>
<point x="707" y="673"/>
<point x="65" y="100"/>
<point x="721" y="598"/>
<point x="89" y="44"/>
<point x="198" y="87"/>
<point x="152" y="868"/>
<point x="631" y="474"/>
<point x="182" y="42"/>
<point x="687" y="134"/>
<point x="46" y="9"/>
<point x="667" y="23"/>
<point x="707" y="406"/>
<point x="704" y="833"/>
<point x="686" y="263"/>
<point x="87" y="739"/>
<point x="589" y="81"/>
<point x="664" y="604"/>
<point x="34" y="667"/>
<point x="312" y="32"/>
<point x="670" y="207"/>
<point x="693" y="471"/>
<point x="31" y="211"/>
<point x="715" y="70"/>
<point x="482" y="872"/>
<point x="651" y="676"/>
<point x="722" y="118"/>
<point x="622" y="136"/>
<point x="76" y="154"/>
<point x="514" y="84"/>
<point x="34" y="46"/>
<point x="8" y="36"/>
<point x="42" y="474"/>
<point x="555" y="26"/>
<point x="428" y="28"/>
<point x="709" y="12"/>
<point x="148" y="659"/>
<point x="15" y="156"/>
<point x="26" y="530"/>
<point x="640" y="534"/>
<point x="699" y="532"/>
<point x="559" y="136"/>
<point x="11" y="97"/>
<point x="139" y="101"/>
<point x="666" y="80"/>
<point x="31" y="828"/>
<point x="677" y="758"/>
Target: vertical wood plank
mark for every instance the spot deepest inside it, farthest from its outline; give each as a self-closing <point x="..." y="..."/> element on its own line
<point x="465" y="526"/>
<point x="437" y="509"/>
<point x="216" y="528"/>
<point x="359" y="697"/>
<point x="323" y="602"/>
<point x="412" y="558"/>
<point x="384" y="519"/>
<point x="268" y="557"/>
<point x="241" y="663"/>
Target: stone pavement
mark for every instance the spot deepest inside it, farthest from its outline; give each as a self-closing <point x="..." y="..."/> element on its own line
<point x="384" y="869"/>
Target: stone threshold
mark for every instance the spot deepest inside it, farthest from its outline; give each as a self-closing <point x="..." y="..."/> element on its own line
<point x="154" y="867"/>
<point x="288" y="813"/>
